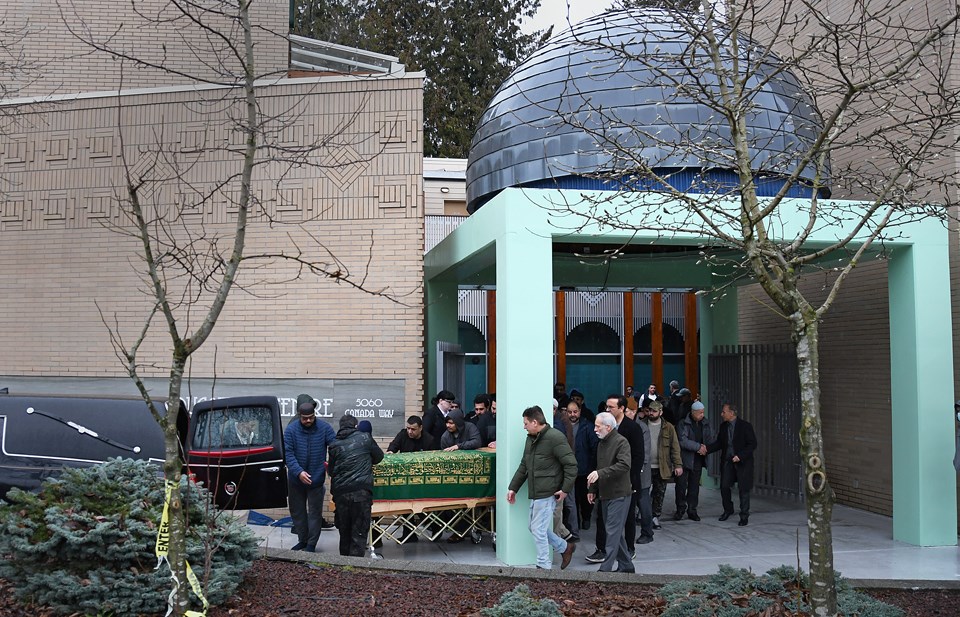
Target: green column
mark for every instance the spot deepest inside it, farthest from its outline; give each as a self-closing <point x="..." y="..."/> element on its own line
<point x="441" y="318"/>
<point x="719" y="325"/>
<point x="524" y="369"/>
<point x="921" y="366"/>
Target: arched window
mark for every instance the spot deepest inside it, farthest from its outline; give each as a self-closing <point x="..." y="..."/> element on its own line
<point x="593" y="337"/>
<point x="593" y="361"/>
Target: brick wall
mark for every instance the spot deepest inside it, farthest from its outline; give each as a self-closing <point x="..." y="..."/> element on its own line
<point x="59" y="40"/>
<point x="854" y="379"/>
<point x="355" y="202"/>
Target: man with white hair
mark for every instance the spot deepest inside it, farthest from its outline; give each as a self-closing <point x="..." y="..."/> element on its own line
<point x="694" y="434"/>
<point x="610" y="484"/>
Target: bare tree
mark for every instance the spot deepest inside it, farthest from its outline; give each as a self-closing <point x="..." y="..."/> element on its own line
<point x="189" y="269"/>
<point x="866" y="107"/>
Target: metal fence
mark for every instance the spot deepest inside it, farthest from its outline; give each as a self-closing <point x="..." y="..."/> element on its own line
<point x="762" y="381"/>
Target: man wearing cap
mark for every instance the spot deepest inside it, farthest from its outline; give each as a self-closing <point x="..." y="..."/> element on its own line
<point x="549" y="469"/>
<point x="305" y="441"/>
<point x="352" y="457"/>
<point x="665" y="460"/>
<point x="694" y="434"/>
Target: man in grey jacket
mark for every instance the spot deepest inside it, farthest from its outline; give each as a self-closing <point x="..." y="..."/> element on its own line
<point x="460" y="434"/>
<point x="694" y="434"/>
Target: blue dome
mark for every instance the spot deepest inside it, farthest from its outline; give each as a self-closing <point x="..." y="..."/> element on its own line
<point x="614" y="94"/>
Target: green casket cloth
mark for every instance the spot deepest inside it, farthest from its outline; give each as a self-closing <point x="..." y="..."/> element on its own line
<point x="435" y="475"/>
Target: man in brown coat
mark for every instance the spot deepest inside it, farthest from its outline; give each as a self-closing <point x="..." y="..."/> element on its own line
<point x="665" y="462"/>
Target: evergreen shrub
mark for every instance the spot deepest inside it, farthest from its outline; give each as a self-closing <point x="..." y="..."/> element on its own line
<point x="520" y="603"/>
<point x="85" y="543"/>
<point x="736" y="592"/>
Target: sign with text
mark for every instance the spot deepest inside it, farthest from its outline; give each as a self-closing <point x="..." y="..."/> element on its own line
<point x="380" y="401"/>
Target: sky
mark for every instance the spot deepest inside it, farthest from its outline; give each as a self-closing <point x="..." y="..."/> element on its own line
<point x="555" y="12"/>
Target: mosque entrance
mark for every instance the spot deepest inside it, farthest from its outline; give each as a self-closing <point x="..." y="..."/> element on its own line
<point x="604" y="340"/>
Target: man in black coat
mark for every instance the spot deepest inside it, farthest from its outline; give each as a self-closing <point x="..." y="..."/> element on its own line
<point x="350" y="465"/>
<point x="412" y="438"/>
<point x="435" y="418"/>
<point x="736" y="443"/>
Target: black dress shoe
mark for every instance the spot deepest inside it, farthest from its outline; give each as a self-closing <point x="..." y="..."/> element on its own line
<point x="585" y="525"/>
<point x="743" y="521"/>
<point x="693" y="516"/>
<point x="678" y="515"/>
<point x="725" y="516"/>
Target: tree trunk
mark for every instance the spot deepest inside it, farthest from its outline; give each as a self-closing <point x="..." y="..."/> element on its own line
<point x="819" y="495"/>
<point x="173" y="466"/>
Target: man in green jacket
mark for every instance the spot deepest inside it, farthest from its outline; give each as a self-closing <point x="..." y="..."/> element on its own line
<point x="550" y="468"/>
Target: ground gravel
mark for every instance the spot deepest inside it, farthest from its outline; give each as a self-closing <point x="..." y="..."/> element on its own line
<point x="275" y="588"/>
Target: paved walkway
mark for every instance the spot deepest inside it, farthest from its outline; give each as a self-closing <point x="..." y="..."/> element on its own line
<point x="864" y="550"/>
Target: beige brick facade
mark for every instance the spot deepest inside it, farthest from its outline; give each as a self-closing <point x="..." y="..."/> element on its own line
<point x="58" y="40"/>
<point x="854" y="379"/>
<point x="355" y="202"/>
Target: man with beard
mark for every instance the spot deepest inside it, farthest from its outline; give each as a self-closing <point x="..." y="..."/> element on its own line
<point x="610" y="484"/>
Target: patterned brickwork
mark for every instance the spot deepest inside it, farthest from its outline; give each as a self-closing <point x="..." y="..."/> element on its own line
<point x="353" y="201"/>
<point x="55" y="37"/>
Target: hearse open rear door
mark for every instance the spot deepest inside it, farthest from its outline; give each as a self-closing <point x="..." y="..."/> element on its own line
<point x="236" y="450"/>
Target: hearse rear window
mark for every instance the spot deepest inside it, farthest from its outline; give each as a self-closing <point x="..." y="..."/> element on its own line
<point x="236" y="427"/>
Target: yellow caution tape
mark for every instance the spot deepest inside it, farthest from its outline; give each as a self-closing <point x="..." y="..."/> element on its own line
<point x="163" y="548"/>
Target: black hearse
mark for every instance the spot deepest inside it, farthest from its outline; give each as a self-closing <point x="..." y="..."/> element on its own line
<point x="233" y="446"/>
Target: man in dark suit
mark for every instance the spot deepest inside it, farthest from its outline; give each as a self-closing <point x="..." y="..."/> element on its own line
<point x="435" y="418"/>
<point x="736" y="442"/>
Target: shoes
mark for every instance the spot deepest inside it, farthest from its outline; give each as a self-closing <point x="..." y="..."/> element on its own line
<point x="299" y="546"/>
<point x="413" y="538"/>
<point x="633" y="555"/>
<point x="644" y="539"/>
<point x="693" y="516"/>
<point x="725" y="516"/>
<point x="312" y="548"/>
<point x="585" y="524"/>
<point x="743" y="521"/>
<point x="454" y="538"/>
<point x="325" y="525"/>
<point x="678" y="515"/>
<point x="572" y="538"/>
<point x="656" y="522"/>
<point x="598" y="556"/>
<point x="567" y="555"/>
<point x="568" y="536"/>
<point x="626" y="571"/>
